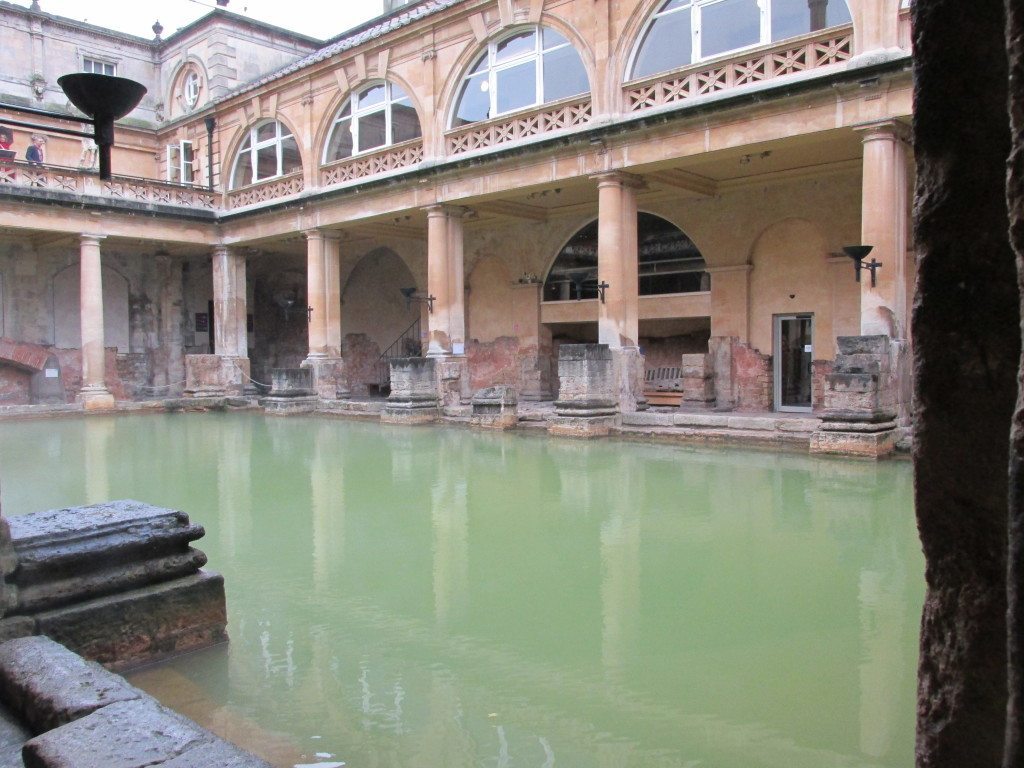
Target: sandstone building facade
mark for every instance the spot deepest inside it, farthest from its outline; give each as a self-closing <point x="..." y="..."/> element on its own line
<point x="479" y="181"/>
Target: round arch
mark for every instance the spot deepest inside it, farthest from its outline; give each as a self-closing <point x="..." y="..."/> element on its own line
<point x="372" y="298"/>
<point x="323" y="130"/>
<point x="239" y="139"/>
<point x="174" y="85"/>
<point x="669" y="262"/>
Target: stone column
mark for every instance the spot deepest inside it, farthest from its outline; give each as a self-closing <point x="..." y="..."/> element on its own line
<point x="884" y="224"/>
<point x="617" y="265"/>
<point x="230" y="341"/>
<point x="323" y="292"/>
<point x="446" y="323"/>
<point x="94" y="393"/>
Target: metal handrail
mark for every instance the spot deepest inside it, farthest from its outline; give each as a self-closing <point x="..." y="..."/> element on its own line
<point x="400" y="347"/>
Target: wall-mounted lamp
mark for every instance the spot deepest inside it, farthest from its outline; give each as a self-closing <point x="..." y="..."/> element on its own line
<point x="103" y="98"/>
<point x="601" y="288"/>
<point x="289" y="305"/>
<point x="858" y="253"/>
<point x="411" y="296"/>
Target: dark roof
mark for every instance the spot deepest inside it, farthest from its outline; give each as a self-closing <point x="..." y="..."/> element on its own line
<point x="371" y="30"/>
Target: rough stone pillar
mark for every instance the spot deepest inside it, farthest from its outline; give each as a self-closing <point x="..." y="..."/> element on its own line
<point x="495" y="408"/>
<point x="413" y="398"/>
<point x="172" y="372"/>
<point x="534" y="342"/>
<point x="617" y="266"/>
<point x="292" y="392"/>
<point x="967" y="344"/>
<point x="587" y="404"/>
<point x="883" y="308"/>
<point x="860" y="400"/>
<point x="94" y="393"/>
<point x="230" y="340"/>
<point x="1015" y="200"/>
<point x="323" y="291"/>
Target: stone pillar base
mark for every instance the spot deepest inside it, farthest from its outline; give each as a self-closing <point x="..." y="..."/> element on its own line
<point x="451" y="380"/>
<point x="289" y="406"/>
<point x="582" y="426"/>
<point x="329" y="380"/>
<point x="291" y="392"/>
<point x="870" y="441"/>
<point x="495" y="408"/>
<point x="413" y="398"/>
<point x="96" y="399"/>
<point x="203" y="376"/>
<point x="629" y="376"/>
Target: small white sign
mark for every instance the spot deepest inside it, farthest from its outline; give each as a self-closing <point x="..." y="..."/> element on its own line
<point x="809" y="348"/>
<point x="458" y="348"/>
<point x="52" y="373"/>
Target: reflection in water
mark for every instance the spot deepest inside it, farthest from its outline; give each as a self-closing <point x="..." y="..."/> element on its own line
<point x="435" y="597"/>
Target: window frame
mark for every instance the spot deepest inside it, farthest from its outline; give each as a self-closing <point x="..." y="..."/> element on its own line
<point x="90" y="64"/>
<point x="190" y="95"/>
<point x="695" y="9"/>
<point x="281" y="133"/>
<point x="355" y="114"/>
<point x="178" y="168"/>
<point x="493" y="67"/>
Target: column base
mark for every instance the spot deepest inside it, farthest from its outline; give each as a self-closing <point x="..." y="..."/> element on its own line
<point x="329" y="379"/>
<point x="582" y="426"/>
<point x="96" y="399"/>
<point x="869" y="441"/>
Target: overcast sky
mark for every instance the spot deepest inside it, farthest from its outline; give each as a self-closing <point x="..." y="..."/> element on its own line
<point x="317" y="18"/>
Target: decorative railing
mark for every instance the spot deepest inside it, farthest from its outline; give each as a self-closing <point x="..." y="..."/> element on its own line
<point x="390" y="159"/>
<point x="490" y="134"/>
<point x="265" y="191"/>
<point x="766" y="65"/>
<point x="83" y="182"/>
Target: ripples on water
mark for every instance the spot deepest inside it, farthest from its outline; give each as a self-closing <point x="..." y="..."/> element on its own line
<point x="439" y="598"/>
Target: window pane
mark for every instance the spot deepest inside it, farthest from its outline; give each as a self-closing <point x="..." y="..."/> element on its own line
<point x="474" y="103"/>
<point x="340" y="144"/>
<point x="552" y="38"/>
<point x="266" y="162"/>
<point x="243" y="172"/>
<point x="405" y="125"/>
<point x="397" y="93"/>
<point x="790" y="18"/>
<point x="266" y="132"/>
<point x="666" y="46"/>
<point x="290" y="160"/>
<point x="728" y="25"/>
<point x="516" y="46"/>
<point x="480" y="65"/>
<point x="372" y="131"/>
<point x="517" y="86"/>
<point x="173" y="163"/>
<point x="674" y="4"/>
<point x="346" y="110"/>
<point x="371" y="96"/>
<point x="564" y="74"/>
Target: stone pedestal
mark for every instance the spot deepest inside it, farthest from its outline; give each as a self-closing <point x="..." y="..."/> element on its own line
<point x="629" y="379"/>
<point x="117" y="582"/>
<point x="720" y="363"/>
<point x="451" y="380"/>
<point x="413" y="398"/>
<point x="329" y="380"/>
<point x="203" y="376"/>
<point x="495" y="408"/>
<point x="587" y="405"/>
<point x="859" y="418"/>
<point x="291" y="392"/>
<point x="697" y="379"/>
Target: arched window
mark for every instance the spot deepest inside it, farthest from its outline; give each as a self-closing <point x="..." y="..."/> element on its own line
<point x="379" y="115"/>
<point x="190" y="87"/>
<point x="686" y="31"/>
<point x="268" y="151"/>
<point x="527" y="68"/>
<point x="669" y="262"/>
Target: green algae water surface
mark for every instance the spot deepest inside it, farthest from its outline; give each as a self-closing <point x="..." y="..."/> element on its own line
<point x="440" y="598"/>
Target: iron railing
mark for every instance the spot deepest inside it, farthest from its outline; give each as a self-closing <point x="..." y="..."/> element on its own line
<point x="408" y="344"/>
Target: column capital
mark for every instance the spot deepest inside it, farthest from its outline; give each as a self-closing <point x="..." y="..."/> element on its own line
<point x="447" y="210"/>
<point x="220" y="250"/>
<point x="618" y="179"/>
<point x="322" y="234"/>
<point x="883" y="130"/>
<point x="87" y="239"/>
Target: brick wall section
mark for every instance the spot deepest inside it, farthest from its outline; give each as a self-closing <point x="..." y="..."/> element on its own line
<point x="494" y="363"/>
<point x="31" y="357"/>
<point x="752" y="377"/>
<point x="819" y="382"/>
<point x="14" y="386"/>
<point x="360" y="354"/>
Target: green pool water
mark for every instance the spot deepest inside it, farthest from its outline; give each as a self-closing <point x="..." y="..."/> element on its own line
<point x="441" y="598"/>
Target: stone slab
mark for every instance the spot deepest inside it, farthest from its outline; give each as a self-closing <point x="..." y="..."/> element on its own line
<point x="13" y="736"/>
<point x="46" y="685"/>
<point x="754" y="423"/>
<point x="216" y="754"/>
<point x="648" y="419"/>
<point x="870" y="445"/>
<point x="710" y="420"/>
<point x="128" y="734"/>
<point x="143" y="624"/>
<point x="289" y="406"/>
<point x="595" y="426"/>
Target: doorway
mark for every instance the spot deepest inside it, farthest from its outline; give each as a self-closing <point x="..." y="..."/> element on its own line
<point x="794" y="353"/>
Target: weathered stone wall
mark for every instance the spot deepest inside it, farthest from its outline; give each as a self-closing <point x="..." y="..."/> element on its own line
<point x="967" y="345"/>
<point x="494" y="363"/>
<point x="753" y="384"/>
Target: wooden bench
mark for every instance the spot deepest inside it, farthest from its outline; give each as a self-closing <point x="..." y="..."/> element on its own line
<point x="663" y="386"/>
